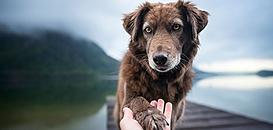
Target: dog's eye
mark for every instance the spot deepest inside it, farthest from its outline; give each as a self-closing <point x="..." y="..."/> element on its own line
<point x="148" y="30"/>
<point x="176" y="27"/>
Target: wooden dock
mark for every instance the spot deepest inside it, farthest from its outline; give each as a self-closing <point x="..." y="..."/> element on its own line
<point x="200" y="117"/>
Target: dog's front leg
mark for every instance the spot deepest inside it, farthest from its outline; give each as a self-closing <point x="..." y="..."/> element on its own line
<point x="148" y="116"/>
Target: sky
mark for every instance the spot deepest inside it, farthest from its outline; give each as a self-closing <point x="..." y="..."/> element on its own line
<point x="237" y="30"/>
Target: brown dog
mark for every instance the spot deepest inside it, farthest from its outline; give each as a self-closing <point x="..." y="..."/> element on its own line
<point x="164" y="42"/>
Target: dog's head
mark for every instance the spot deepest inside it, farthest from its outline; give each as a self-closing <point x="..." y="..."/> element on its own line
<point x="165" y="36"/>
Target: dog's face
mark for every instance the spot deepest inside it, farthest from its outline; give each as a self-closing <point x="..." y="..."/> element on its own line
<point x="166" y="33"/>
<point x="162" y="29"/>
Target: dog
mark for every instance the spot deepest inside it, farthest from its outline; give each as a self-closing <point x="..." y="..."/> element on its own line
<point x="158" y="64"/>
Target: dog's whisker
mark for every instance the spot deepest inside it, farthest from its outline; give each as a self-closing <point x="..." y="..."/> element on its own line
<point x="184" y="55"/>
<point x="184" y="60"/>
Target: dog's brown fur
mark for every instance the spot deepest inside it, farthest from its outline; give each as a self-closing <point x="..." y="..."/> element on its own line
<point x="138" y="83"/>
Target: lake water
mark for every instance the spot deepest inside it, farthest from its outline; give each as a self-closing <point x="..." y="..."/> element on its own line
<point x="82" y="106"/>
<point x="248" y="95"/>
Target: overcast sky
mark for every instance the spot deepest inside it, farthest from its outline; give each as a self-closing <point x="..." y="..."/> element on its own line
<point x="236" y="29"/>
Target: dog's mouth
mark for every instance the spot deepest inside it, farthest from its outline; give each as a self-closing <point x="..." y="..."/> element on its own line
<point x="161" y="68"/>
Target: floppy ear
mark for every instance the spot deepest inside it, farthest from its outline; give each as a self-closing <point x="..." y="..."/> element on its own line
<point x="196" y="18"/>
<point x="133" y="22"/>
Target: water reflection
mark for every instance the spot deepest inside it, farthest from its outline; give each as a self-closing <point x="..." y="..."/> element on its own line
<point x="93" y="122"/>
<point x="249" y="95"/>
<point x="66" y="103"/>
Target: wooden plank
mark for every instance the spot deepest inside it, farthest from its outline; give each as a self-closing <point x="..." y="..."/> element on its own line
<point x="111" y="124"/>
<point x="203" y="116"/>
<point x="215" y="122"/>
<point x="253" y="126"/>
<point x="200" y="117"/>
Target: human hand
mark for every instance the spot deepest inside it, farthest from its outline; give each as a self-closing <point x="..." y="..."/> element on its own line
<point x="129" y="123"/>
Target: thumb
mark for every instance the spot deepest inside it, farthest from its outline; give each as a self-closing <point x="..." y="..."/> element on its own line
<point x="127" y="113"/>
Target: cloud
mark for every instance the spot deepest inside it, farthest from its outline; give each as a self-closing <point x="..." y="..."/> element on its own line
<point x="236" y="29"/>
<point x="94" y="20"/>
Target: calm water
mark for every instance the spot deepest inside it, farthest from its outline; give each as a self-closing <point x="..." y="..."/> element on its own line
<point x="249" y="95"/>
<point x="67" y="102"/>
<point x="80" y="104"/>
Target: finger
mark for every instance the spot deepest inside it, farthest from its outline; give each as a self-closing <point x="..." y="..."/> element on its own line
<point x="160" y="105"/>
<point x="127" y="113"/>
<point x="153" y="103"/>
<point x="168" y="112"/>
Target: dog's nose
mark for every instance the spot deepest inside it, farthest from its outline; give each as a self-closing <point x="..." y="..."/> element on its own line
<point x="160" y="59"/>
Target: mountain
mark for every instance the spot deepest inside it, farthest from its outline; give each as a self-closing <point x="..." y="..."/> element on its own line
<point x="51" y="77"/>
<point x="52" y="52"/>
<point x="265" y="73"/>
<point x="199" y="74"/>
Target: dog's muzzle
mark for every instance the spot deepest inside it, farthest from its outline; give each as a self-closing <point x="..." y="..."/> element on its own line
<point x="163" y="62"/>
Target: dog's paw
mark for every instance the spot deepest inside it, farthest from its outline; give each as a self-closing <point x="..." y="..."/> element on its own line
<point x="151" y="119"/>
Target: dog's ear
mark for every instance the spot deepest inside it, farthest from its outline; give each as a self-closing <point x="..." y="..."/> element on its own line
<point x="133" y="22"/>
<point x="196" y="18"/>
